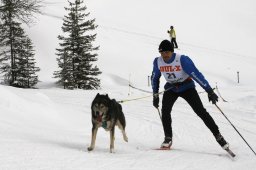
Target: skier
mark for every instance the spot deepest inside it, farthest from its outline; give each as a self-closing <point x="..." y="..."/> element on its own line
<point x="180" y="74"/>
<point x="172" y="35"/>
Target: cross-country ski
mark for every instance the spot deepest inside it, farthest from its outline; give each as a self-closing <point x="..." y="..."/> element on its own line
<point x="230" y="152"/>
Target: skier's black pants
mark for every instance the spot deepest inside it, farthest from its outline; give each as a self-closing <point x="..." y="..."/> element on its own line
<point x="173" y="41"/>
<point x="193" y="99"/>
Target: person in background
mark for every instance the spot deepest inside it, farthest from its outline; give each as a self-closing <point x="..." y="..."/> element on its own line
<point x="172" y="35"/>
<point x="180" y="74"/>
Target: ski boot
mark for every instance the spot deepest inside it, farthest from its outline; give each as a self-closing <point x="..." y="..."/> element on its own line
<point x="223" y="143"/>
<point x="167" y="143"/>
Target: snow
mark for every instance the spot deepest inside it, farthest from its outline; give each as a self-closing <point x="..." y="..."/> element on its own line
<point x="50" y="128"/>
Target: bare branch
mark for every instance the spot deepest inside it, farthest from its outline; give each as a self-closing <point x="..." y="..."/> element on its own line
<point x="23" y="10"/>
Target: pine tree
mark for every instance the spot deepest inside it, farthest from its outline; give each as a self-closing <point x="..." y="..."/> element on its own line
<point x="26" y="69"/>
<point x="9" y="48"/>
<point x="66" y="72"/>
<point x="5" y="52"/>
<point x="77" y="54"/>
<point x="15" y="56"/>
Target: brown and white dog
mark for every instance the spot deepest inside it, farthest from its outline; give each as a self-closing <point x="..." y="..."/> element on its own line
<point x="106" y="113"/>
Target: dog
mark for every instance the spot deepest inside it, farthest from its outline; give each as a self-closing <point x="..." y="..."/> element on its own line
<point x="106" y="113"/>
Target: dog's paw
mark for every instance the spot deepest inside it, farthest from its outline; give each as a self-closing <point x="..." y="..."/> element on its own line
<point x="112" y="150"/>
<point x="126" y="139"/>
<point x="90" y="148"/>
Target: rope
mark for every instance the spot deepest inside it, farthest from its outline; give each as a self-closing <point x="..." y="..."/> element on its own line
<point x="140" y="89"/>
<point x="153" y="94"/>
<point x="127" y="100"/>
<point x="220" y="94"/>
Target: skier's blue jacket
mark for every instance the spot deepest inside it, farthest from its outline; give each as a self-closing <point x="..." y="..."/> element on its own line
<point x="179" y="73"/>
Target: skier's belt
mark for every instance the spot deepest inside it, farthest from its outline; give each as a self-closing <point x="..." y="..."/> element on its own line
<point x="188" y="80"/>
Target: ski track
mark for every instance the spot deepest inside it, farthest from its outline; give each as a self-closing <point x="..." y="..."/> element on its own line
<point x="61" y="138"/>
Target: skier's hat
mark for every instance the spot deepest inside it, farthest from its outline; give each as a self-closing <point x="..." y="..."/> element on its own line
<point x="165" y="45"/>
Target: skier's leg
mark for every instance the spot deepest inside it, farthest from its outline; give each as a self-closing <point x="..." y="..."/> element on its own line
<point x="193" y="99"/>
<point x="175" y="43"/>
<point x="169" y="99"/>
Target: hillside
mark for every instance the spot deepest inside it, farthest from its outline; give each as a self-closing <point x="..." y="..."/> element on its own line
<point x="49" y="128"/>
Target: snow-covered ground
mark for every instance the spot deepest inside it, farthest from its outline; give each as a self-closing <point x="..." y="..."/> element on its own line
<point x="50" y="128"/>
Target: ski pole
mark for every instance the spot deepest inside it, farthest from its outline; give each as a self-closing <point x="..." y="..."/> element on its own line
<point x="235" y="129"/>
<point x="159" y="113"/>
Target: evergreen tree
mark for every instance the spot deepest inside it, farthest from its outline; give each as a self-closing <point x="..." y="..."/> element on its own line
<point x="5" y="52"/>
<point x="13" y="49"/>
<point x="77" y="54"/>
<point x="9" y="48"/>
<point x="26" y="69"/>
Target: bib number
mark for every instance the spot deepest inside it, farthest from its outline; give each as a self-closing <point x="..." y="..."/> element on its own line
<point x="171" y="76"/>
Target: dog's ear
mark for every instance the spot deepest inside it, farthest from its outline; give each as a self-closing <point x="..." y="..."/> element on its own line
<point x="107" y="97"/>
<point x="97" y="96"/>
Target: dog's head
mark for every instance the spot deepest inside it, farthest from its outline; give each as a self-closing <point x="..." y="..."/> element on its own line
<point x="100" y="105"/>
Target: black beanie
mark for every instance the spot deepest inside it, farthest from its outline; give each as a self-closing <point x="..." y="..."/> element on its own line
<point x="165" y="45"/>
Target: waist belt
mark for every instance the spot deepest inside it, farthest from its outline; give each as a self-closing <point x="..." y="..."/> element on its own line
<point x="188" y="80"/>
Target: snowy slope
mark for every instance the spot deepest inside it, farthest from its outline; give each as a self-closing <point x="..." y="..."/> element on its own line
<point x="50" y="128"/>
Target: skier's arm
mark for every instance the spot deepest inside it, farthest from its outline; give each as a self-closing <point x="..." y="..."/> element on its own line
<point x="156" y="74"/>
<point x="189" y="67"/>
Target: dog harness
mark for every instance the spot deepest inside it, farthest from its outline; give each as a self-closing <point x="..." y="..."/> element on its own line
<point x="104" y="125"/>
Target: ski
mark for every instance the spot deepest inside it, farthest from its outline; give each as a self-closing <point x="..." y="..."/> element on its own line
<point x="230" y="152"/>
<point x="162" y="148"/>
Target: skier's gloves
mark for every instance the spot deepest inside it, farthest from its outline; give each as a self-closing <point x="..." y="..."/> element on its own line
<point x="156" y="100"/>
<point x="212" y="96"/>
